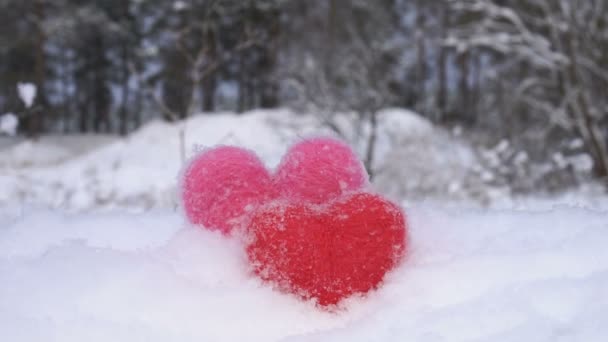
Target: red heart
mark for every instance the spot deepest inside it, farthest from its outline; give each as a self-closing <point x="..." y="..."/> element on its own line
<point x="221" y="186"/>
<point x="327" y="252"/>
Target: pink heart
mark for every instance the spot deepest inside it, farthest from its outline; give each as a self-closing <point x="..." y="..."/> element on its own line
<point x="221" y="186"/>
<point x="318" y="170"/>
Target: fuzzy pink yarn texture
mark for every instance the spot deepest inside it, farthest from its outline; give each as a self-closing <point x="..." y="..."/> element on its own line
<point x="221" y="186"/>
<point x="318" y="170"/>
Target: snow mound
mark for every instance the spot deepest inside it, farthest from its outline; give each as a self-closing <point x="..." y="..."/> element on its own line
<point x="139" y="171"/>
<point x="471" y="276"/>
<point x="413" y="160"/>
<point x="426" y="162"/>
<point x="48" y="150"/>
<point x="21" y="155"/>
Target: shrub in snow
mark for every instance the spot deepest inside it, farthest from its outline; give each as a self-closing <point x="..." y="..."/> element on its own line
<point x="330" y="252"/>
<point x="8" y="124"/>
<point x="423" y="162"/>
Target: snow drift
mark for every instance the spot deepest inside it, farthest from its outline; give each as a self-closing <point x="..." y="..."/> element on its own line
<point x="413" y="159"/>
<point x="470" y="276"/>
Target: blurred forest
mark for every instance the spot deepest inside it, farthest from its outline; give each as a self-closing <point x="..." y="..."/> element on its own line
<point x="533" y="72"/>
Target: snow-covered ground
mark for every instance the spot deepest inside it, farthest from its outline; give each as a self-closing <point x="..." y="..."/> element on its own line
<point x="137" y="172"/>
<point x="472" y="275"/>
<point x="93" y="248"/>
<point x="414" y="162"/>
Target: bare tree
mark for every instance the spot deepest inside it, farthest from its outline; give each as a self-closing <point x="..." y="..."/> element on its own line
<point x="560" y="49"/>
<point x="347" y="67"/>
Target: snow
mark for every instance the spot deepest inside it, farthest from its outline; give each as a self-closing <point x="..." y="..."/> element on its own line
<point x="8" y="124"/>
<point x="415" y="162"/>
<point x="92" y="246"/>
<point x="179" y="6"/>
<point x="46" y="151"/>
<point x="27" y="93"/>
<point x="472" y="275"/>
<point x="139" y="171"/>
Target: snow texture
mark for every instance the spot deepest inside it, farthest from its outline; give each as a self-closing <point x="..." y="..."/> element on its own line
<point x="470" y="276"/>
<point x="139" y="171"/>
<point x="415" y="161"/>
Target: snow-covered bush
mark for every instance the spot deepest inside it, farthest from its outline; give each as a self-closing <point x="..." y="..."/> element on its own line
<point x="8" y="124"/>
<point x="422" y="161"/>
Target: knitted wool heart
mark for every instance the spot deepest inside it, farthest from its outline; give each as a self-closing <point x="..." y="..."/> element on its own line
<point x="327" y="252"/>
<point x="221" y="186"/>
<point x="319" y="170"/>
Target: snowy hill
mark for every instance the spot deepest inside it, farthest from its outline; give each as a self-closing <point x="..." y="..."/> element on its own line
<point x="471" y="276"/>
<point x="77" y="264"/>
<point x="414" y="160"/>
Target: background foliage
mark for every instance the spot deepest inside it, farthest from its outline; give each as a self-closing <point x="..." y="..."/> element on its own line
<point x="530" y="72"/>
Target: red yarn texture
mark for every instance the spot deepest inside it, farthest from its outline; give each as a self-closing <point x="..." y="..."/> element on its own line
<point x="221" y="186"/>
<point x="327" y="252"/>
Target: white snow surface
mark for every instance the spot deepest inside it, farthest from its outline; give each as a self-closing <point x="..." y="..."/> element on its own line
<point x="414" y="161"/>
<point x="471" y="275"/>
<point x="77" y="264"/>
<point x="140" y="171"/>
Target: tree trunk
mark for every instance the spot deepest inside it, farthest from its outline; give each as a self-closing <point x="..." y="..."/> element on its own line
<point x="421" y="70"/>
<point x="463" y="85"/>
<point x="242" y="79"/>
<point x="138" y="106"/>
<point x="66" y="99"/>
<point x="269" y="97"/>
<point x="442" y="91"/>
<point x="476" y="87"/>
<point x="35" y="120"/>
<point x="208" y="90"/>
<point x="126" y="91"/>
<point x="589" y="128"/>
<point x="371" y="144"/>
<point x="126" y="59"/>
<point x="331" y="38"/>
